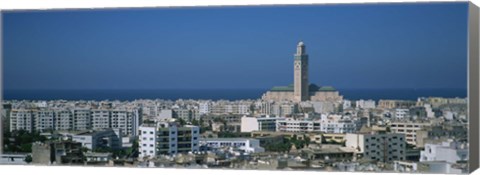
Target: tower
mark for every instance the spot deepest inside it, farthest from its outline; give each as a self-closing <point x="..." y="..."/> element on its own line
<point x="300" y="69"/>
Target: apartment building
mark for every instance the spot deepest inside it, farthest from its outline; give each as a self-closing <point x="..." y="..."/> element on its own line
<point x="22" y="119"/>
<point x="409" y="129"/>
<point x="383" y="147"/>
<point x="77" y="119"/>
<point x="167" y="138"/>
<point x="327" y="124"/>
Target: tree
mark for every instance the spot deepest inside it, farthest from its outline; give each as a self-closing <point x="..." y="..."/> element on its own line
<point x="195" y="122"/>
<point x="28" y="159"/>
<point x="181" y="121"/>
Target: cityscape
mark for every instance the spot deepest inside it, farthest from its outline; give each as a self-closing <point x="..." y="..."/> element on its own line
<point x="308" y="125"/>
<point x="299" y="127"/>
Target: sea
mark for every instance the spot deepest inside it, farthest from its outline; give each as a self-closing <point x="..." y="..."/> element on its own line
<point x="218" y="94"/>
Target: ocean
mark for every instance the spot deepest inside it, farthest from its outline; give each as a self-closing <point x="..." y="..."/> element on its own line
<point x="217" y="94"/>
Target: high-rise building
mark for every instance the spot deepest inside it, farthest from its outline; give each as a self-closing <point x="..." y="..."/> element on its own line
<point x="300" y="67"/>
<point x="301" y="90"/>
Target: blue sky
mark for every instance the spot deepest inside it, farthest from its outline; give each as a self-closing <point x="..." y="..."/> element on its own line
<point x="350" y="46"/>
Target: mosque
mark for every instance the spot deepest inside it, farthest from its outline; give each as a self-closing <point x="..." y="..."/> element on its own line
<point x="301" y="90"/>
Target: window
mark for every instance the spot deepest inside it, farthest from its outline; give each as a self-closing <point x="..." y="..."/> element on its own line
<point x="151" y="132"/>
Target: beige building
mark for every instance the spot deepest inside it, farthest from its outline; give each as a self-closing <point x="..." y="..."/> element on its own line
<point x="301" y="89"/>
<point x="409" y="129"/>
<point x="392" y="104"/>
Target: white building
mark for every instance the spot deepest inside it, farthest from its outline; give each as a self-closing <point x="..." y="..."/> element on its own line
<point x="365" y="104"/>
<point x="378" y="146"/>
<point x="291" y="125"/>
<point x="249" y="124"/>
<point x="337" y="124"/>
<point x="63" y="120"/>
<point x="204" y="108"/>
<point x="347" y="104"/>
<point x="22" y="119"/>
<point x="327" y="124"/>
<point x="429" y="110"/>
<point x="449" y="151"/>
<point x="147" y="141"/>
<point x="401" y="113"/>
<point x="100" y="119"/>
<point x="165" y="114"/>
<point x="244" y="144"/>
<point x="167" y="138"/>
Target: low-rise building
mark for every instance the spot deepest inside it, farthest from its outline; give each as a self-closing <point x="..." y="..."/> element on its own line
<point x="449" y="151"/>
<point x="107" y="138"/>
<point x="365" y="104"/>
<point x="249" y="124"/>
<point x="59" y="152"/>
<point x="245" y="144"/>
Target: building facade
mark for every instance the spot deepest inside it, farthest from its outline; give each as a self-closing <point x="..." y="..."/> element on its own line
<point x="167" y="138"/>
<point x="381" y="147"/>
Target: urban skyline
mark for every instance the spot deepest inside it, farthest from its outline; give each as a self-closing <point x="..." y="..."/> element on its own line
<point x="410" y="117"/>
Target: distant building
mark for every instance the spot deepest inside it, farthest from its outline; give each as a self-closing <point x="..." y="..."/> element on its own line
<point x="165" y="114"/>
<point x="365" y="104"/>
<point x="301" y="89"/>
<point x="402" y="113"/>
<point x="76" y="119"/>
<point x="392" y="104"/>
<point x="249" y="124"/>
<point x="105" y="138"/>
<point x="347" y="104"/>
<point x="245" y="144"/>
<point x="327" y="124"/>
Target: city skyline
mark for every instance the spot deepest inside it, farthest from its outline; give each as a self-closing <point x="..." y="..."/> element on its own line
<point x="419" y="45"/>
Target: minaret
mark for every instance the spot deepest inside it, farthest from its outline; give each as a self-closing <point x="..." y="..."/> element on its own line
<point x="300" y="68"/>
